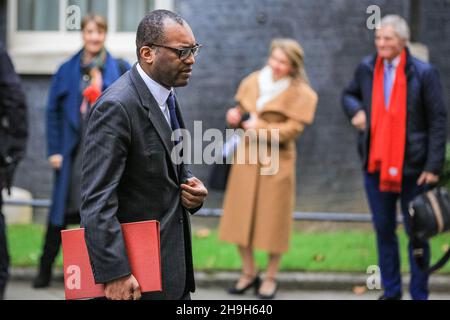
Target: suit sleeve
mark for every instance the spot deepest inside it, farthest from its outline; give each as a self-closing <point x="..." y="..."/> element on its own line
<point x="436" y="117"/>
<point x="187" y="174"/>
<point x="351" y="96"/>
<point x="108" y="137"/>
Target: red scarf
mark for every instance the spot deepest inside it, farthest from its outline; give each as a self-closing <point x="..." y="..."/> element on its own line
<point x="388" y="128"/>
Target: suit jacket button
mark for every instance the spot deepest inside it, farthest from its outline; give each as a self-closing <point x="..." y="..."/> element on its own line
<point x="181" y="220"/>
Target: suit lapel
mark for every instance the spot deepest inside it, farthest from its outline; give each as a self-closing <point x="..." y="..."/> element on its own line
<point x="155" y="115"/>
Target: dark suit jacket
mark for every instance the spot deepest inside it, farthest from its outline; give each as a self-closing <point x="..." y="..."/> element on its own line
<point x="128" y="176"/>
<point x="426" y="114"/>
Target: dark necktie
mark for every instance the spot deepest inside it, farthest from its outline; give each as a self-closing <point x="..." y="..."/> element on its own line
<point x="172" y="112"/>
<point x="174" y="123"/>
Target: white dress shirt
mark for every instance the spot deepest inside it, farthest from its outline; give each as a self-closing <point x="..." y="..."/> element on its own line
<point x="159" y="92"/>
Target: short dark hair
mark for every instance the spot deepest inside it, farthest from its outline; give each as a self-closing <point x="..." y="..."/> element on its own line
<point x="151" y="28"/>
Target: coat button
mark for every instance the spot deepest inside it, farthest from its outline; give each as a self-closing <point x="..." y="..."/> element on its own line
<point x="180" y="220"/>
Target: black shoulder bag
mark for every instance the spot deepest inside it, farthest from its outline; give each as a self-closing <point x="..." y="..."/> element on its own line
<point x="429" y="216"/>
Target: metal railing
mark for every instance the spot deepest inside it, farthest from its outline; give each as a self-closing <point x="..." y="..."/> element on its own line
<point x="310" y="216"/>
<point x="37" y="203"/>
<point x="211" y="212"/>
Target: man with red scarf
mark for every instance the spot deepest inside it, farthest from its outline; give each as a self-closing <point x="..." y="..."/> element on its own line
<point x="395" y="101"/>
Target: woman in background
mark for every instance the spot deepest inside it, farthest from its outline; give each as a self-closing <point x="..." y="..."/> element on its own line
<point x="74" y="89"/>
<point x="258" y="208"/>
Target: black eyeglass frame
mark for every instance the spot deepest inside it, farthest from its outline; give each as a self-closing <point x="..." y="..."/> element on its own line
<point x="184" y="53"/>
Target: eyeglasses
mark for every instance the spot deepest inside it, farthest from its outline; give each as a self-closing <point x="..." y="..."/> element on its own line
<point x="184" y="53"/>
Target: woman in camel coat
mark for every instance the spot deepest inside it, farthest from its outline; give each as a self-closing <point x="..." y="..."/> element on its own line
<point x="258" y="208"/>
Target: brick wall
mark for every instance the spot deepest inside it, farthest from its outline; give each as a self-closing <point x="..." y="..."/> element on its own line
<point x="434" y="32"/>
<point x="236" y="35"/>
<point x="334" y="37"/>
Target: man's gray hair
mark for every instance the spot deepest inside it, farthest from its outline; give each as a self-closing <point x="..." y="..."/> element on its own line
<point x="399" y="24"/>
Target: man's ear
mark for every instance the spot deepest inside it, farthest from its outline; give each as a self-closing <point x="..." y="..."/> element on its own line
<point x="147" y="54"/>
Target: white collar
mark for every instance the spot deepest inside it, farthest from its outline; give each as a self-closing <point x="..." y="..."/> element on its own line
<point x="159" y="92"/>
<point x="395" y="62"/>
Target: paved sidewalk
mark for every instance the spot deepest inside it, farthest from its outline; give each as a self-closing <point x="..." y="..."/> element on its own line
<point x="21" y="290"/>
<point x="287" y="280"/>
<point x="293" y="285"/>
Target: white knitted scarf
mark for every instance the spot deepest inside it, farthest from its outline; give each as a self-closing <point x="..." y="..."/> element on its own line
<point x="268" y="88"/>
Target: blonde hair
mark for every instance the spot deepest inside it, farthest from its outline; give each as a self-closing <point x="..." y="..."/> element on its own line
<point x="296" y="55"/>
<point x="100" y="21"/>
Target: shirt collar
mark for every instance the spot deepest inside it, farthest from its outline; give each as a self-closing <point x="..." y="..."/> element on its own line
<point x="394" y="62"/>
<point x="159" y="92"/>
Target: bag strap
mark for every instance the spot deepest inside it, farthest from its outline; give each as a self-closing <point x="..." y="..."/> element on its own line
<point x="418" y="248"/>
<point x="442" y="261"/>
<point x="418" y="253"/>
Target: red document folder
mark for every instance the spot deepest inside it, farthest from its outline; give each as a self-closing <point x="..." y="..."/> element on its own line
<point x="142" y="243"/>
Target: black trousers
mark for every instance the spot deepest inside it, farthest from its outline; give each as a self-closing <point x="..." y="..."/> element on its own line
<point x="4" y="256"/>
<point x="52" y="242"/>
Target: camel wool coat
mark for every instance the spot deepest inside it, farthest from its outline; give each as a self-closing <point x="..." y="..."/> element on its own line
<point x="258" y="208"/>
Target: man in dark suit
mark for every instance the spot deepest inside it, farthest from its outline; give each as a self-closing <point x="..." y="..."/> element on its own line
<point x="128" y="172"/>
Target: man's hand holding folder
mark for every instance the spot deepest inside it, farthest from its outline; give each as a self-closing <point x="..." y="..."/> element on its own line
<point x="126" y="288"/>
<point x="142" y="242"/>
